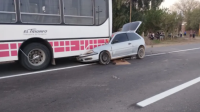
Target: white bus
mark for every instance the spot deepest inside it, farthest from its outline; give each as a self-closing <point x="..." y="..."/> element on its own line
<point x="35" y="32"/>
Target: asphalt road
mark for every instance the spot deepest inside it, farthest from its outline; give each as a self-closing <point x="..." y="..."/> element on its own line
<point x="111" y="88"/>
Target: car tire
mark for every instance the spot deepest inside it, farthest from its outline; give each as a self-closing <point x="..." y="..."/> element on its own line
<point x="140" y="53"/>
<point x="104" y="58"/>
<point x="38" y="57"/>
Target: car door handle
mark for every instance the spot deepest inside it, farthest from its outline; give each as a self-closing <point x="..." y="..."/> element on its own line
<point x="129" y="43"/>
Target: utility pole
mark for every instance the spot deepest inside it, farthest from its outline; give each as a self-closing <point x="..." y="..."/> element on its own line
<point x="131" y="3"/>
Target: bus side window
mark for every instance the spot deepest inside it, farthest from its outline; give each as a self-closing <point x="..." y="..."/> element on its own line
<point x="78" y="12"/>
<point x="101" y="11"/>
<point x="40" y="11"/>
<point x="7" y="11"/>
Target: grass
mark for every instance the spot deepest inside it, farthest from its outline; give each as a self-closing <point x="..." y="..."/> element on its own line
<point x="172" y="41"/>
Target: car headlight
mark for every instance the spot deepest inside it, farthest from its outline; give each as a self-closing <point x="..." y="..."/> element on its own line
<point x="90" y="52"/>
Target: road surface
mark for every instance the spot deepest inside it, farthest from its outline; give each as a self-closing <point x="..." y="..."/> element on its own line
<point x="74" y="87"/>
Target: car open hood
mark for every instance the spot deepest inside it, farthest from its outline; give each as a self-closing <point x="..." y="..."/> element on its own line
<point x="132" y="26"/>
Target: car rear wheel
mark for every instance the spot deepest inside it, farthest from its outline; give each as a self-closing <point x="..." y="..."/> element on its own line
<point x="140" y="53"/>
<point x="104" y="58"/>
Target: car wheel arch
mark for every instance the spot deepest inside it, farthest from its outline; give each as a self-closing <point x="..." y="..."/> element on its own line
<point x="107" y="52"/>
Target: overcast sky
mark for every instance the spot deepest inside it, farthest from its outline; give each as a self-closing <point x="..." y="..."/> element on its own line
<point x="168" y="3"/>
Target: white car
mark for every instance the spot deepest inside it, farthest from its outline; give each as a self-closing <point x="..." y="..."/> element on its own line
<point x="126" y="43"/>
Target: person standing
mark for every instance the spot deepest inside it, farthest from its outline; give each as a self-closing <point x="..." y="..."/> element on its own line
<point x="185" y="33"/>
<point x="194" y="34"/>
<point x="181" y="34"/>
<point x="191" y="33"/>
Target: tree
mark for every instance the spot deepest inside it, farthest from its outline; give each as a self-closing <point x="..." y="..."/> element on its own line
<point x="186" y="6"/>
<point x="194" y="20"/>
<point x="171" y="22"/>
<point x="123" y="12"/>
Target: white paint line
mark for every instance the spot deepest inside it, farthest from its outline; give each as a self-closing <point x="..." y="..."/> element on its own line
<point x="172" y="52"/>
<point x="44" y="71"/>
<point x="155" y="54"/>
<point x="31" y="73"/>
<point x="167" y="93"/>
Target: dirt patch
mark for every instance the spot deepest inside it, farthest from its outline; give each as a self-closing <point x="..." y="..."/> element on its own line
<point x="121" y="62"/>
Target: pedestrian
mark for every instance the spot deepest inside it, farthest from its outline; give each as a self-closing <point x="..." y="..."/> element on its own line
<point x="158" y="35"/>
<point x="194" y="33"/>
<point x="185" y="33"/>
<point x="153" y="35"/>
<point x="161" y="35"/>
<point x="191" y="33"/>
<point x="149" y="35"/>
<point x="181" y="34"/>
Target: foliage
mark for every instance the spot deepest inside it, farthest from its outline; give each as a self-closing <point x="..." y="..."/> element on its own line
<point x="153" y="18"/>
<point x="194" y="20"/>
<point x="190" y="11"/>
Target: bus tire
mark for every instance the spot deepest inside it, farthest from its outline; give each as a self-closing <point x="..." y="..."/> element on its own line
<point x="37" y="57"/>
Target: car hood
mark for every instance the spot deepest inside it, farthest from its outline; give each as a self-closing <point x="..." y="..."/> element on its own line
<point x="106" y="47"/>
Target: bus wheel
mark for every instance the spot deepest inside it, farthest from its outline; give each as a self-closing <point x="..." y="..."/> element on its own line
<point x="37" y="56"/>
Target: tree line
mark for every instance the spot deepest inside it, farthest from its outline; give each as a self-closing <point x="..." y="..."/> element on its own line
<point x="154" y="17"/>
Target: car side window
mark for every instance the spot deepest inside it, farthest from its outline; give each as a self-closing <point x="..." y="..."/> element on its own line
<point x="133" y="36"/>
<point x="120" y="38"/>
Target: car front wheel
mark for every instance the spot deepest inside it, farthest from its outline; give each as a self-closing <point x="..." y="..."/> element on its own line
<point x="104" y="58"/>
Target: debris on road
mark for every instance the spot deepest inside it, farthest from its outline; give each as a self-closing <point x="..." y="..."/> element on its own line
<point x="121" y="62"/>
<point x="115" y="77"/>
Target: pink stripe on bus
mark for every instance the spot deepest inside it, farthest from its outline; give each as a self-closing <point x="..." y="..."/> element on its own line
<point x="13" y="46"/>
<point x="59" y="49"/>
<point x="4" y="54"/>
<point x="4" y="47"/>
<point x="13" y="53"/>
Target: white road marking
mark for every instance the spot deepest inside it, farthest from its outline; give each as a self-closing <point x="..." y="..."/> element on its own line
<point x="31" y="73"/>
<point x="44" y="71"/>
<point x="172" y="52"/>
<point x="168" y="93"/>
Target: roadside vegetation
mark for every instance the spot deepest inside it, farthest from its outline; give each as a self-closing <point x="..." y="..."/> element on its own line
<point x="157" y="19"/>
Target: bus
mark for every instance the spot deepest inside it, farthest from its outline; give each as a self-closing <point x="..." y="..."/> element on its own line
<point x="36" y="32"/>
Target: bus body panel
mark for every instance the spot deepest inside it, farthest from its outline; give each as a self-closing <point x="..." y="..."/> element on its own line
<point x="66" y="40"/>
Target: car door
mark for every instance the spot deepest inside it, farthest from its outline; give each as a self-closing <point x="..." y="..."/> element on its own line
<point x="121" y="46"/>
<point x="135" y="41"/>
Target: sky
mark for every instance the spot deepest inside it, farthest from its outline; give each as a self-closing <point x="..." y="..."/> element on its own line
<point x="168" y="3"/>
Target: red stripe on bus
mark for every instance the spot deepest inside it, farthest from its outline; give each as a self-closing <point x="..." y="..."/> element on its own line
<point x="75" y="45"/>
<point x="56" y="44"/>
<point x="13" y="53"/>
<point x="86" y="44"/>
<point x="95" y="41"/>
<point x="62" y="43"/>
<point x="66" y="43"/>
<point x="82" y="48"/>
<point x="13" y="46"/>
<point x="19" y="44"/>
<point x="59" y="49"/>
<point x="101" y="41"/>
<point x="4" y="54"/>
<point x="51" y="43"/>
<point x="4" y="47"/>
<point x="82" y="42"/>
<point x="91" y="47"/>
